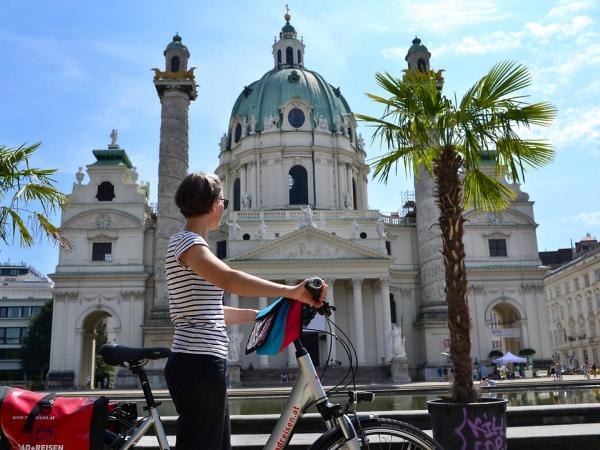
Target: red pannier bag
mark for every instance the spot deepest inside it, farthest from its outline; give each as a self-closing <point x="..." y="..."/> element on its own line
<point x="40" y="421"/>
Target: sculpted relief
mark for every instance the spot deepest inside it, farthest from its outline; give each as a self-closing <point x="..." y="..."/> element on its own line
<point x="308" y="248"/>
<point x="102" y="221"/>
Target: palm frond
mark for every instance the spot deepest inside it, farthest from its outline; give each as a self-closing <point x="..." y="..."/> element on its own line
<point x="485" y="192"/>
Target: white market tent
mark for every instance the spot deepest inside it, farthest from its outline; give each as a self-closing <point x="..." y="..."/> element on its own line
<point x="509" y="358"/>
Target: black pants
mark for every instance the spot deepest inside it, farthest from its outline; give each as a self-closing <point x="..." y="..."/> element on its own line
<point x="198" y="387"/>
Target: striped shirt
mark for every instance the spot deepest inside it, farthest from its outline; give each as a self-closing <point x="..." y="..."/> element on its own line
<point x="195" y="305"/>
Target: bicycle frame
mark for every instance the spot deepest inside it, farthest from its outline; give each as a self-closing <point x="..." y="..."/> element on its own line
<point x="143" y="426"/>
<point x="153" y="418"/>
<point x="307" y="389"/>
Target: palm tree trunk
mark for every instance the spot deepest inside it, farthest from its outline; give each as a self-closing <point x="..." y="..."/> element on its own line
<point x="449" y="197"/>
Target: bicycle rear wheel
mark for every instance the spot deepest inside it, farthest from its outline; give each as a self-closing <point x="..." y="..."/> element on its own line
<point x="380" y="434"/>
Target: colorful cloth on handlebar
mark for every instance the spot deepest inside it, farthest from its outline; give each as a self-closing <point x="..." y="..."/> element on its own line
<point x="275" y="327"/>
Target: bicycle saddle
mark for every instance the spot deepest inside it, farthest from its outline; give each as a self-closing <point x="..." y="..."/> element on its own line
<point x="121" y="355"/>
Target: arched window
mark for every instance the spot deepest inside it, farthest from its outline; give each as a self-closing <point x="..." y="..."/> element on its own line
<point x="421" y="65"/>
<point x="236" y="194"/>
<point x="350" y="133"/>
<point x="298" y="186"/>
<point x="289" y="56"/>
<point x="279" y="57"/>
<point x="106" y="192"/>
<point x="175" y="64"/>
<point x="354" y="194"/>
<point x="393" y="309"/>
<point x="237" y="134"/>
<point x="299" y="57"/>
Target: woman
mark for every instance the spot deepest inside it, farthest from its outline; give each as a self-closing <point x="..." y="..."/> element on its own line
<point x="196" y="370"/>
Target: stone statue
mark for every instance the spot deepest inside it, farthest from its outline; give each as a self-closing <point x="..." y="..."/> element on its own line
<point x="307" y="218"/>
<point x="360" y="142"/>
<point x="113" y="138"/>
<point x="244" y="124"/>
<point x="234" y="230"/>
<point x="381" y="229"/>
<point x="223" y="142"/>
<point x="262" y="230"/>
<point x="79" y="175"/>
<point x="134" y="175"/>
<point x="247" y="200"/>
<point x="355" y="227"/>
<point x="270" y="123"/>
<point x="321" y="122"/>
<point x="252" y="123"/>
<point x="397" y="342"/>
<point x="348" y="200"/>
<point x="234" y="346"/>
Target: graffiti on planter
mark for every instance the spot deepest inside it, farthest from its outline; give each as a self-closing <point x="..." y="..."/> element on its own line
<point x="481" y="432"/>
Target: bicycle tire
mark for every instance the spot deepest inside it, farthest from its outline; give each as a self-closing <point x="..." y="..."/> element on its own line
<point x="380" y="433"/>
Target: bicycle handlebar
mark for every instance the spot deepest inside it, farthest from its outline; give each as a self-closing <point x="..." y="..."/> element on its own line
<point x="314" y="286"/>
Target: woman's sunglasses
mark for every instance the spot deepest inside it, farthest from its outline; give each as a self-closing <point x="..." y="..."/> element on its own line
<point x="225" y="203"/>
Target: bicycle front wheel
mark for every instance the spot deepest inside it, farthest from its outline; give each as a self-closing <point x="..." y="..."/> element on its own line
<point x="380" y="434"/>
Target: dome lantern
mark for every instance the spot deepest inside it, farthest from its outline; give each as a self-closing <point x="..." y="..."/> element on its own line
<point x="418" y="56"/>
<point x="176" y="55"/>
<point x="288" y="51"/>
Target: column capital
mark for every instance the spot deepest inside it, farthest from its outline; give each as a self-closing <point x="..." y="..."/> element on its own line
<point x="357" y="280"/>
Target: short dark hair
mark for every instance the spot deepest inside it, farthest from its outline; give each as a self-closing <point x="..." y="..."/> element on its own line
<point x="196" y="193"/>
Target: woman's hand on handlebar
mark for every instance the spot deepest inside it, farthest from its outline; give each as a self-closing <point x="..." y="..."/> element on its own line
<point x="300" y="293"/>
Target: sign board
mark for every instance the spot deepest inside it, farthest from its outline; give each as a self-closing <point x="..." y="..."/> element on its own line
<point x="506" y="332"/>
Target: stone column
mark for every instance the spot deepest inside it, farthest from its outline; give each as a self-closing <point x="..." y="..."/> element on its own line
<point x="258" y="189"/>
<point x="384" y="288"/>
<point x="243" y="183"/>
<point x="263" y="361"/>
<point x="349" y="185"/>
<point x="172" y="168"/>
<point x="340" y="184"/>
<point x="358" y="320"/>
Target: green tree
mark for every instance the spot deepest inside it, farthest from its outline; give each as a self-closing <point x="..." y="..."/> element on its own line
<point x="102" y="368"/>
<point x="35" y="349"/>
<point x="449" y="139"/>
<point x="24" y="189"/>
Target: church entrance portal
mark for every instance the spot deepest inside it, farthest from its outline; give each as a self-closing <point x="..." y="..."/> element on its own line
<point x="506" y="329"/>
<point x="97" y="326"/>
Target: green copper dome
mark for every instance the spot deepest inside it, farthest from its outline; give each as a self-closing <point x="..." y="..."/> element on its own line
<point x="416" y="47"/>
<point x="175" y="43"/>
<point x="263" y="98"/>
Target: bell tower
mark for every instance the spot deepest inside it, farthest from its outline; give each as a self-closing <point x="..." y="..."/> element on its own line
<point x="176" y="88"/>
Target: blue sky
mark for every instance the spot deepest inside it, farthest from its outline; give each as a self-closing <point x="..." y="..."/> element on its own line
<point x="72" y="71"/>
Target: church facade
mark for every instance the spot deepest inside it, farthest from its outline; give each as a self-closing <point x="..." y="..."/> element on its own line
<point x="293" y="167"/>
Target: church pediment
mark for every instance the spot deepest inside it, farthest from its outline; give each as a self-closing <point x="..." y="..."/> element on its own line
<point x="309" y="244"/>
<point x="505" y="217"/>
<point x="103" y="220"/>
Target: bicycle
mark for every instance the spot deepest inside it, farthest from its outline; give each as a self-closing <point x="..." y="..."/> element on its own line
<point x="345" y="428"/>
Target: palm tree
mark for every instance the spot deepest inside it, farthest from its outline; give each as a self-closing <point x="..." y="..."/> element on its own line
<point x="422" y="128"/>
<point x="27" y="196"/>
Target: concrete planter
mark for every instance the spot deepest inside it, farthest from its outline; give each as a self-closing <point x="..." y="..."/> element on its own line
<point x="469" y="426"/>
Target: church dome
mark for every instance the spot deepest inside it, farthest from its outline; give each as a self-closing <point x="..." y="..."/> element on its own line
<point x="416" y="47"/>
<point x="263" y="98"/>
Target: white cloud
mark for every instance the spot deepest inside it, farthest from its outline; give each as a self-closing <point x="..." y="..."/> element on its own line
<point x="588" y="218"/>
<point x="573" y="127"/>
<point x="445" y="15"/>
<point x="544" y="32"/>
<point x="567" y="7"/>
